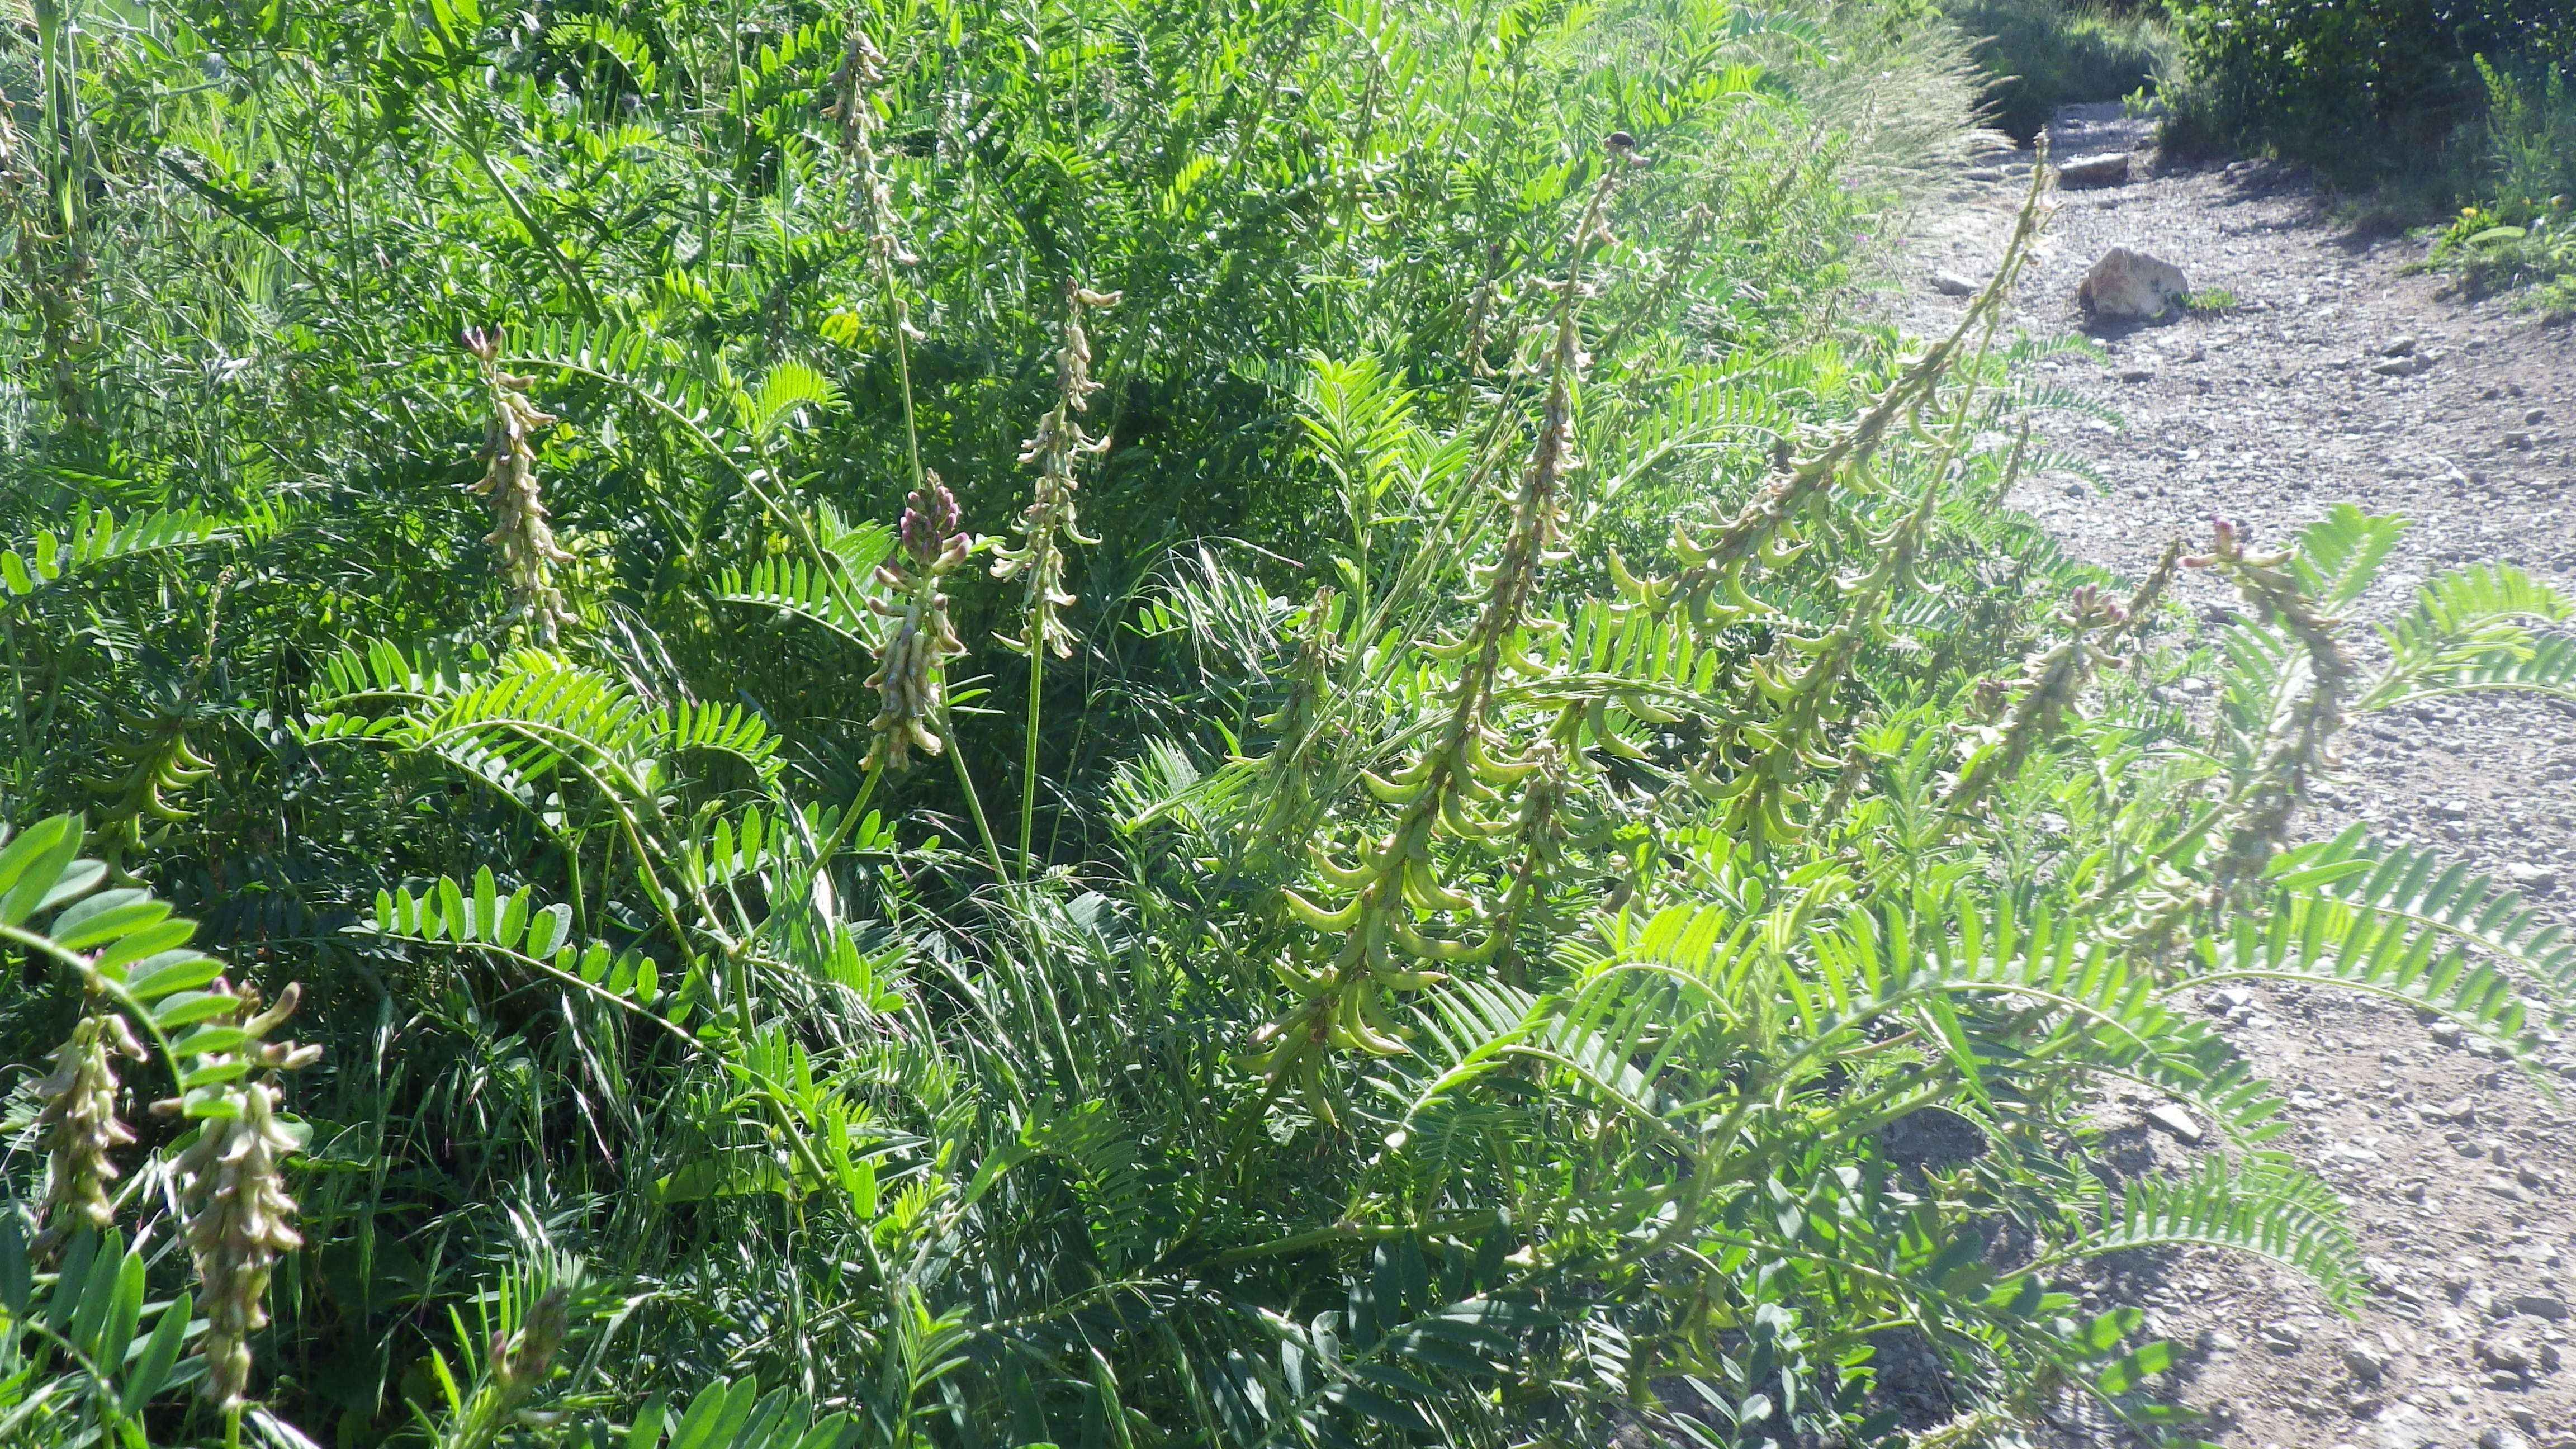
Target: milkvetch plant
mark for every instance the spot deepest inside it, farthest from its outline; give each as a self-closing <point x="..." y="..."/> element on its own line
<point x="1578" y="874"/>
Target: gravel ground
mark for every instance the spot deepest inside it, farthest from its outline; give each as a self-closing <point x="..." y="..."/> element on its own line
<point x="2460" y="1170"/>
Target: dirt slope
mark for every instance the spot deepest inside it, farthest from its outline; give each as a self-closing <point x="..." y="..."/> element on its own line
<point x="2460" y="1171"/>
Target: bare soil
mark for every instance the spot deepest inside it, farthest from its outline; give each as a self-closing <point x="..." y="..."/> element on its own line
<point x="2459" y="1168"/>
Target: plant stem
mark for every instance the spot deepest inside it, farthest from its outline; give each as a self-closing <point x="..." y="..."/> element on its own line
<point x="1029" y="761"/>
<point x="897" y="316"/>
<point x="966" y="782"/>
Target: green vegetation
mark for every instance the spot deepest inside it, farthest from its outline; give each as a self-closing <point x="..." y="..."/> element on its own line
<point x="2422" y="109"/>
<point x="1139" y="724"/>
<point x="2043" y="54"/>
<point x="2521" y="233"/>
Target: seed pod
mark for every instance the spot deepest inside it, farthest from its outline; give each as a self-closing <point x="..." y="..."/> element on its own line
<point x="1435" y="790"/>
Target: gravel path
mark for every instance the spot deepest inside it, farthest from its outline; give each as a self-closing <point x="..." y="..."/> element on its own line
<point x="2460" y="1171"/>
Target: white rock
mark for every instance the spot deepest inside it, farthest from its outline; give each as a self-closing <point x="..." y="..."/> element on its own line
<point x="2127" y="283"/>
<point x="2503" y="1352"/>
<point x="2530" y="877"/>
<point x="2103" y="168"/>
<point x="2176" y="1121"/>
<point x="2403" y="1426"/>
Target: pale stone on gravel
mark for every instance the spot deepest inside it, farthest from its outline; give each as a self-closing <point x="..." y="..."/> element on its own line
<point x="2176" y="1121"/>
<point x="2504" y="1352"/>
<point x="2403" y="1426"/>
<point x="2107" y="168"/>
<point x="2129" y="283"/>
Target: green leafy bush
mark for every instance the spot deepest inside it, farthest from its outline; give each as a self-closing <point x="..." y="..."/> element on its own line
<point x="2362" y="91"/>
<point x="2519" y="235"/>
<point x="1515" y="845"/>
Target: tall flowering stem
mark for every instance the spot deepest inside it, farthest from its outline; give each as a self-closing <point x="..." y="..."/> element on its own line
<point x="1711" y="587"/>
<point x="1756" y="764"/>
<point x="863" y="70"/>
<point x="80" y="1127"/>
<point x="522" y="540"/>
<point x="909" y="723"/>
<point x="2029" y="711"/>
<point x="1395" y="887"/>
<point x="1047" y="524"/>
<point x="2300" y="726"/>
<point x="231" y="1181"/>
<point x="921" y="639"/>
<point x="2300" y="743"/>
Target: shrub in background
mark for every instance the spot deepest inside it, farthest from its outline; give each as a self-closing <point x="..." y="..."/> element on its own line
<point x="2042" y="54"/>
<point x="2365" y="90"/>
<point x="2520" y="234"/>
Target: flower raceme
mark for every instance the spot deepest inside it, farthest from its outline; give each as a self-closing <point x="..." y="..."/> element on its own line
<point x="1048" y="521"/>
<point x="521" y="538"/>
<point x="240" y="1217"/>
<point x="921" y="639"/>
<point x="80" y="1127"/>
<point x="2301" y="733"/>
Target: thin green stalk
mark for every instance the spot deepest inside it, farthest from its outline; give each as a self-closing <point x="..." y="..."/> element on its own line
<point x="1029" y="760"/>
<point x="966" y="782"/>
<point x="898" y="319"/>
